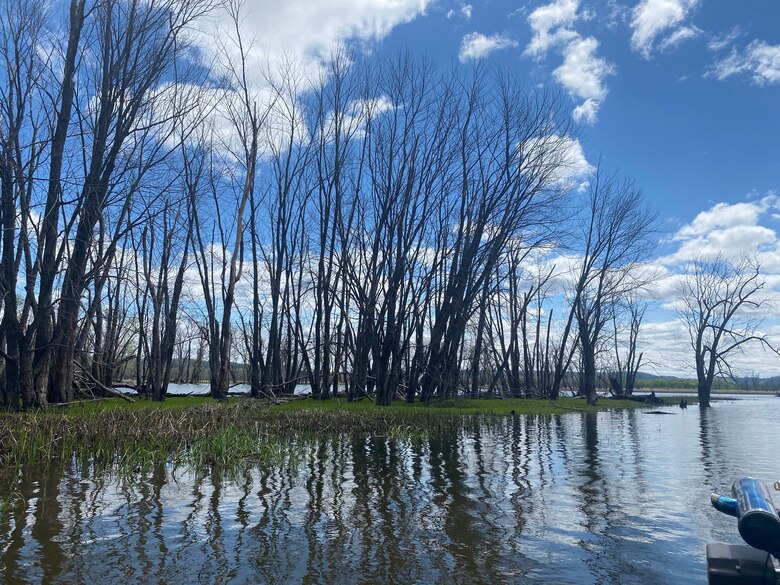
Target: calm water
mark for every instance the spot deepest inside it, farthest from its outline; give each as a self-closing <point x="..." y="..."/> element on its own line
<point x="619" y="497"/>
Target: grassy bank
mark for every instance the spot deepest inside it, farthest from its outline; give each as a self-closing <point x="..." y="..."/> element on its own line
<point x="197" y="431"/>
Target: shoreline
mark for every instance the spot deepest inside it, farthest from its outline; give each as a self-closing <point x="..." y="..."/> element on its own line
<point x="693" y="392"/>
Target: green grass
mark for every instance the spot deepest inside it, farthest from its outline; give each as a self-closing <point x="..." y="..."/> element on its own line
<point x="488" y="406"/>
<point x="480" y="406"/>
<point x="172" y="403"/>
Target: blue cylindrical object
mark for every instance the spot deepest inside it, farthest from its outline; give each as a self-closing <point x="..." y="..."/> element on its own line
<point x="724" y="504"/>
<point x="758" y="521"/>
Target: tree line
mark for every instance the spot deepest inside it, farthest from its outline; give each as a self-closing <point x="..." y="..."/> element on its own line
<point x="382" y="228"/>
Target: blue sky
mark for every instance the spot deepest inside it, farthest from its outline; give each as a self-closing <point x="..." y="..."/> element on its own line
<point x="689" y="138"/>
<point x="681" y="95"/>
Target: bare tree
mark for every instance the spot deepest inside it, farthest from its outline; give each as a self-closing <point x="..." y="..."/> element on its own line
<point x="504" y="188"/>
<point x="24" y="126"/>
<point x="627" y="317"/>
<point x="333" y="183"/>
<point x="135" y="47"/>
<point x="276" y="237"/>
<point x="722" y="306"/>
<point x="246" y="115"/>
<point x="616" y="230"/>
<point x="407" y="132"/>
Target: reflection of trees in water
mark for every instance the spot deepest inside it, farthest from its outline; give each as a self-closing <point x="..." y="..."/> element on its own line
<point x="605" y="477"/>
<point x="717" y="467"/>
<point x="424" y="510"/>
<point x="470" y="538"/>
<point x="272" y="552"/>
<point x="311" y="524"/>
<point x="506" y="498"/>
<point x="521" y="437"/>
<point x="36" y="510"/>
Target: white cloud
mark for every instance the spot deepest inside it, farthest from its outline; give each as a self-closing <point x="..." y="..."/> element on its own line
<point x="732" y="64"/>
<point x="729" y="230"/>
<point x="289" y="41"/>
<point x="679" y="36"/>
<point x="743" y="238"/>
<point x="463" y="12"/>
<point x="570" y="167"/>
<point x="308" y="26"/>
<point x="306" y="32"/>
<point x="587" y="111"/>
<point x="759" y="59"/>
<point x="719" y="42"/>
<point x="726" y="230"/>
<point x="735" y="242"/>
<point x="477" y="46"/>
<point x="582" y="72"/>
<point x="723" y="215"/>
<point x="551" y="25"/>
<point x="575" y="169"/>
<point x="653" y="18"/>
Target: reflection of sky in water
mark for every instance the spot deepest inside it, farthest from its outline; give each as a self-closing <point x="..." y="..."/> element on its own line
<point x="607" y="498"/>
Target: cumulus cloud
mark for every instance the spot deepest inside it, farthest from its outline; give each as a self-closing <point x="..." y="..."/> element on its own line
<point x="583" y="72"/>
<point x="569" y="168"/>
<point x="654" y="19"/>
<point x="729" y="230"/>
<point x="759" y="59"/>
<point x="306" y="31"/>
<point x="285" y="45"/>
<point x="551" y="25"/>
<point x="575" y="170"/>
<point x="477" y="46"/>
<point x="723" y="215"/>
<point x="313" y="27"/>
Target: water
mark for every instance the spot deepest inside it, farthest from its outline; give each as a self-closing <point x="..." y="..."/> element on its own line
<point x="204" y="389"/>
<point x="618" y="497"/>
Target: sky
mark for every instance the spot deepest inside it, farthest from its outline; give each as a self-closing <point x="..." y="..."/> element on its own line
<point x="681" y="95"/>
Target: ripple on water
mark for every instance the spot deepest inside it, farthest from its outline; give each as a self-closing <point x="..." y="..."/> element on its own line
<point x="615" y="497"/>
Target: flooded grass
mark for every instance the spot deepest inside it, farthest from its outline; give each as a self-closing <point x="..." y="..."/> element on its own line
<point x="468" y="406"/>
<point x="196" y="431"/>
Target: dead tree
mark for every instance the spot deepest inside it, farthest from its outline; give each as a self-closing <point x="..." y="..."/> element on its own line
<point x="135" y="47"/>
<point x="632" y="309"/>
<point x="245" y="114"/>
<point x="616" y="231"/>
<point x="24" y="129"/>
<point x="504" y="188"/>
<point x="722" y="306"/>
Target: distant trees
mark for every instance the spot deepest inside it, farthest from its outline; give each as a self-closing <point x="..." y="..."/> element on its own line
<point x="722" y="305"/>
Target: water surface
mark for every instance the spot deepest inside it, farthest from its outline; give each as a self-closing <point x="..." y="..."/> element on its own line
<point x="614" y="497"/>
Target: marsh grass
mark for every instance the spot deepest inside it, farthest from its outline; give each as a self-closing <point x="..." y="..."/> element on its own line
<point x="7" y="500"/>
<point x="467" y="406"/>
<point x="208" y="434"/>
<point x="198" y="432"/>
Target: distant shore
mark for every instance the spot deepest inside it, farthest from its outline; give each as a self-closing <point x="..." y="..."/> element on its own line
<point x="692" y="391"/>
